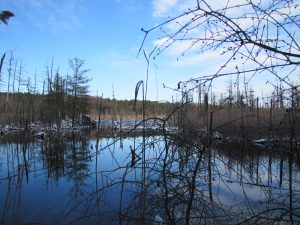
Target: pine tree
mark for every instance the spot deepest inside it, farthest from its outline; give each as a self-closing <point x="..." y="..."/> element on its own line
<point x="78" y="88"/>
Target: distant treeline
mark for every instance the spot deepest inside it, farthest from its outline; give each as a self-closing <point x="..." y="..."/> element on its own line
<point x="114" y="109"/>
<point x="238" y="111"/>
<point x="22" y="109"/>
<point x="243" y="115"/>
<point x="248" y="121"/>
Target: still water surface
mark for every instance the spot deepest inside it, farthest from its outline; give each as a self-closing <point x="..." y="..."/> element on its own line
<point x="75" y="182"/>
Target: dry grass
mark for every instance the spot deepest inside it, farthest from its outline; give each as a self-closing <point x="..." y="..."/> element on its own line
<point x="243" y="122"/>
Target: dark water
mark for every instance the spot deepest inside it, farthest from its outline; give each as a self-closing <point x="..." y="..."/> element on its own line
<point x="75" y="182"/>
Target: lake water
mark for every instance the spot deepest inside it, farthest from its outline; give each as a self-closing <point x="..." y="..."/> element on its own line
<point x="76" y="182"/>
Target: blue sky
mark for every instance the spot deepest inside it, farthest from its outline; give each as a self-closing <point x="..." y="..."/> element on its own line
<point x="107" y="34"/>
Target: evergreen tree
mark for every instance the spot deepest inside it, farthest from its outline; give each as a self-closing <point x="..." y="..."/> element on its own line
<point x="78" y="88"/>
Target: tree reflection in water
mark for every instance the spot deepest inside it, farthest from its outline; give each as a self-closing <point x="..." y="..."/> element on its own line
<point x="94" y="181"/>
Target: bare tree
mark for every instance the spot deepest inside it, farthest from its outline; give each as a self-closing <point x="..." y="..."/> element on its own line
<point x="1" y="63"/>
<point x="253" y="37"/>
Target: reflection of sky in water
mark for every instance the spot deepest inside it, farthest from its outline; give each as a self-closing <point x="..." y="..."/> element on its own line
<point x="68" y="188"/>
<point x="232" y="188"/>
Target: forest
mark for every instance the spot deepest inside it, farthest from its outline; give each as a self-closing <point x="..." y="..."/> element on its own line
<point x="238" y="112"/>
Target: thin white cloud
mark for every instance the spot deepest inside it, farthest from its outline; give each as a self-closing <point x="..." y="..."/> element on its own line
<point x="161" y="7"/>
<point x="48" y="14"/>
<point x="129" y="5"/>
<point x="197" y="60"/>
